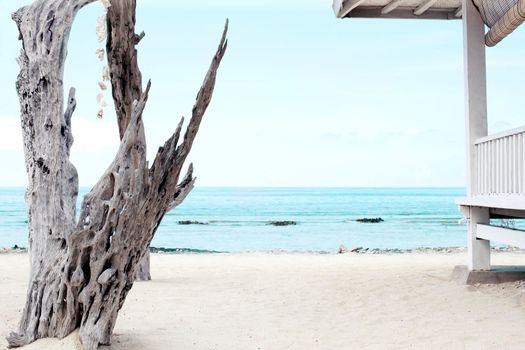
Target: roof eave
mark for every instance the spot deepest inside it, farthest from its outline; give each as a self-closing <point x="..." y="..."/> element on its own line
<point x="359" y="9"/>
<point x="402" y="13"/>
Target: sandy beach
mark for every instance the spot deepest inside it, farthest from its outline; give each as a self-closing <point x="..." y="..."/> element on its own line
<point x="300" y="301"/>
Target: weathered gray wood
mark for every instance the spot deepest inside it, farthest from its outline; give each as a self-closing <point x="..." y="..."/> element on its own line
<point x="126" y="81"/>
<point x="125" y="76"/>
<point x="343" y="8"/>
<point x="391" y="6"/>
<point x="143" y="268"/>
<point x="424" y="7"/>
<point x="53" y="186"/>
<point x="82" y="271"/>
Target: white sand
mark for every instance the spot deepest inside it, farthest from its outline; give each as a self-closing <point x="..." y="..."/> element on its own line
<point x="300" y="301"/>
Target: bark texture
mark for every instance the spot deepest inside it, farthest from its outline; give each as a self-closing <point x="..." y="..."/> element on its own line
<point x="126" y="82"/>
<point x="81" y="271"/>
<point x="125" y="76"/>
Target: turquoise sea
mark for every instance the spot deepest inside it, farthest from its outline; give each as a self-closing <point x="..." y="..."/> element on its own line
<point x="238" y="219"/>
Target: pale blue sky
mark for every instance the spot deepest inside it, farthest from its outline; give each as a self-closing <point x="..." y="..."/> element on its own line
<point x="302" y="98"/>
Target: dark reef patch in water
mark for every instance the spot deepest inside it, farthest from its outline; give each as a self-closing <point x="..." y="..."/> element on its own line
<point x="370" y="220"/>
<point x="192" y="222"/>
<point x="282" y="223"/>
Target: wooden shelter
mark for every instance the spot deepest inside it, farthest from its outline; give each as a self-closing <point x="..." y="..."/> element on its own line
<point x="495" y="163"/>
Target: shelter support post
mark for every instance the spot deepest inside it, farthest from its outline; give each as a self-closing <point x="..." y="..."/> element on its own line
<point x="478" y="249"/>
<point x="476" y="126"/>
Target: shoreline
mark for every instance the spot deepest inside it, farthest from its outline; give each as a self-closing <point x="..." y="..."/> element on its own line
<point x="341" y="250"/>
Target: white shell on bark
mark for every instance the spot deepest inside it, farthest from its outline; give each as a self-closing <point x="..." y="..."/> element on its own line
<point x="101" y="28"/>
<point x="105" y="3"/>
<point x="101" y="100"/>
<point x="100" y="54"/>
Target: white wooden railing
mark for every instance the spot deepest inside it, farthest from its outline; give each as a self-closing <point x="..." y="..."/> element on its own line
<point x="501" y="163"/>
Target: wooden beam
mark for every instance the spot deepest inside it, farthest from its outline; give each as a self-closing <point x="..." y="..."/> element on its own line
<point x="512" y="202"/>
<point x="343" y="7"/>
<point x="391" y="6"/>
<point x="401" y="13"/>
<point x="504" y="235"/>
<point x="498" y="213"/>
<point x="459" y="12"/>
<point x="424" y="7"/>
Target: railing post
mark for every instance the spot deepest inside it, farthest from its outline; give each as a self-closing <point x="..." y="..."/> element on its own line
<point x="476" y="125"/>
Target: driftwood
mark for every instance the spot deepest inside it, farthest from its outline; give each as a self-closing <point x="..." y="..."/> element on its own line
<point x="81" y="271"/>
<point x="125" y="76"/>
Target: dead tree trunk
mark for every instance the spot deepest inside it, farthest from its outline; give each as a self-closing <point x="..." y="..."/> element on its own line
<point x="81" y="271"/>
<point x="126" y="78"/>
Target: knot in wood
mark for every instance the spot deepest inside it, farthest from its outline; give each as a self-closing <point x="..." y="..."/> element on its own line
<point x="78" y="277"/>
<point x="106" y="276"/>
